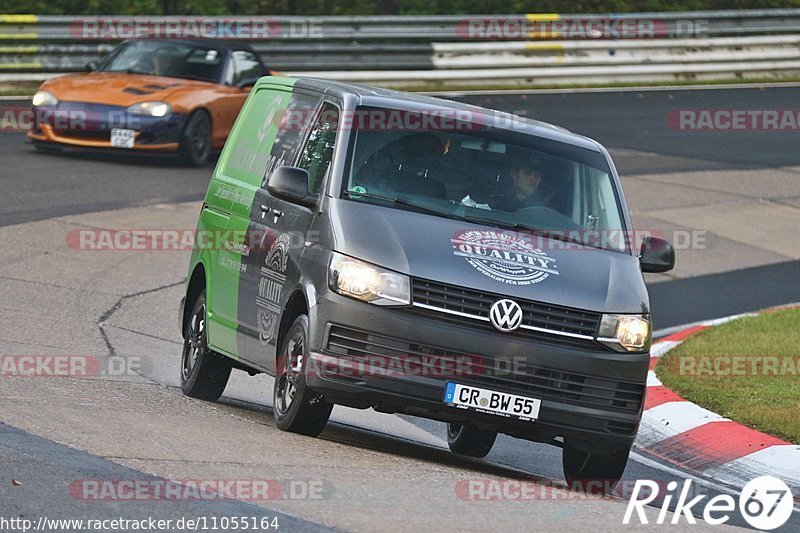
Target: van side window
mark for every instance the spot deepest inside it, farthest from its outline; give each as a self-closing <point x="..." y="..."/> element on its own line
<point x="293" y="122"/>
<point x="318" y="151"/>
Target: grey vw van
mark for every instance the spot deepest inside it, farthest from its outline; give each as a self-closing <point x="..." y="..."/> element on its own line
<point x="413" y="255"/>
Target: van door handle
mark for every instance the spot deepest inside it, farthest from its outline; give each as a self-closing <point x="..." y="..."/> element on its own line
<point x="264" y="210"/>
<point x="277" y="213"/>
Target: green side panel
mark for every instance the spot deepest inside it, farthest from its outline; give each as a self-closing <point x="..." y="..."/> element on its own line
<point x="238" y="175"/>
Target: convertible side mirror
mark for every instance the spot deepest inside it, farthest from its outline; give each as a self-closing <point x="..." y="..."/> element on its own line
<point x="657" y="255"/>
<point x="91" y="66"/>
<point x="291" y="184"/>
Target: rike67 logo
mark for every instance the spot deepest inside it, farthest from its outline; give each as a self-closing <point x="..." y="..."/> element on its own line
<point x="765" y="503"/>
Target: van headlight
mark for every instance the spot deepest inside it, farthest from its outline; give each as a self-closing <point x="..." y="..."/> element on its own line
<point x="369" y="283"/>
<point x="150" y="109"/>
<point x="630" y="333"/>
<point x="44" y="98"/>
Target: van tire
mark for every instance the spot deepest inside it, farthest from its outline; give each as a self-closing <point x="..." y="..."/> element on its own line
<point x="470" y="441"/>
<point x="204" y="373"/>
<point x="195" y="142"/>
<point x="297" y="408"/>
<point x="593" y="473"/>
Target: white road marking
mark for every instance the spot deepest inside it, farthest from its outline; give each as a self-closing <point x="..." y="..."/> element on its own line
<point x="670" y="419"/>
<point x="781" y="461"/>
<point x="660" y="348"/>
<point x="652" y="379"/>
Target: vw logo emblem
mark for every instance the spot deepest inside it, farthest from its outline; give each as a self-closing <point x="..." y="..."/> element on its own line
<point x="505" y="315"/>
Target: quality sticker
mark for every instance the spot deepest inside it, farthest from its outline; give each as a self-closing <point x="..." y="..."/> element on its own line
<point x="503" y="257"/>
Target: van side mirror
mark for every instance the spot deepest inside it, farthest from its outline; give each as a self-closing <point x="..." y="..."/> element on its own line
<point x="657" y="255"/>
<point x="291" y="184"/>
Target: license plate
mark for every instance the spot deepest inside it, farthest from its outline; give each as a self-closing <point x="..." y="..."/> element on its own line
<point x="493" y="402"/>
<point x="122" y="138"/>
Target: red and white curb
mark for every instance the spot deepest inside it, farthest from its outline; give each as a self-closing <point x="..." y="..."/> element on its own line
<point x="702" y="442"/>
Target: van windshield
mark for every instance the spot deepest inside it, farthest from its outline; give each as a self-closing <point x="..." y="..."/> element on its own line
<point x="484" y="174"/>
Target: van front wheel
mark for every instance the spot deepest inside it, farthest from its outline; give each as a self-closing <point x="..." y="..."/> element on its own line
<point x="470" y="441"/>
<point x="297" y="408"/>
<point x="593" y="473"/>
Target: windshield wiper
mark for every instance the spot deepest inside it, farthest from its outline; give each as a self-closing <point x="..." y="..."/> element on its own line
<point x="399" y="201"/>
<point x="550" y="234"/>
<point x="555" y="235"/>
<point x="559" y="236"/>
<point x="188" y="77"/>
<point x="489" y="221"/>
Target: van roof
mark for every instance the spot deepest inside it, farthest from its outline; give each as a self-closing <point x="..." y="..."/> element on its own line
<point x="380" y="97"/>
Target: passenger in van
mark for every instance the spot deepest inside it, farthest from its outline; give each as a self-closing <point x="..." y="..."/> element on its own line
<point x="405" y="166"/>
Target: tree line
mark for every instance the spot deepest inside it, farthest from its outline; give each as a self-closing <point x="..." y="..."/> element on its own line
<point x="370" y="7"/>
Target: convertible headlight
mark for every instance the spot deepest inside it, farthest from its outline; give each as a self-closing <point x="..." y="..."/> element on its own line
<point x="44" y="98"/>
<point x="151" y="109"/>
<point x="366" y="282"/>
<point x="630" y="333"/>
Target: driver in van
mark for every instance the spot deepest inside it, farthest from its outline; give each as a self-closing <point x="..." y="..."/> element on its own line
<point x="526" y="176"/>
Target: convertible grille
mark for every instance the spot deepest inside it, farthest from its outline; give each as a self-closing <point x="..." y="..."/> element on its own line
<point x="85" y="134"/>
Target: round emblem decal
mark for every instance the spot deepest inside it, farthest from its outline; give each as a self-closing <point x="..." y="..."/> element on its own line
<point x="503" y="257"/>
<point x="506" y="315"/>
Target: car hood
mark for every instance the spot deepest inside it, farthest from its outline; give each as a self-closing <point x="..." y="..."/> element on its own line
<point x="489" y="259"/>
<point x="116" y="88"/>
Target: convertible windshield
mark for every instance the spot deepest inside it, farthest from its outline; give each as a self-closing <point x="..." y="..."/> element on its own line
<point x="486" y="175"/>
<point x="176" y="60"/>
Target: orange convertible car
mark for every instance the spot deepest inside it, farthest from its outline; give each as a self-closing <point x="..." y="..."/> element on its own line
<point x="153" y="95"/>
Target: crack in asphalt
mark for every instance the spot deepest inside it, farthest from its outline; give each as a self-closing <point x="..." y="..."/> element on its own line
<point x="52" y="285"/>
<point x="156" y="337"/>
<point x="101" y="322"/>
<point x="30" y="343"/>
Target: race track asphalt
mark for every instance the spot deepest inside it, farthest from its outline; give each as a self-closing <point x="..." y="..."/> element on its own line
<point x="631" y="123"/>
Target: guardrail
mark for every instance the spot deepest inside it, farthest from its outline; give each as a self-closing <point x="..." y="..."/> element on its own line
<point x="445" y="50"/>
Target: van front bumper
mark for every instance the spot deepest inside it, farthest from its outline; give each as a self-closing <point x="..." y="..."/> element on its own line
<point x="399" y="361"/>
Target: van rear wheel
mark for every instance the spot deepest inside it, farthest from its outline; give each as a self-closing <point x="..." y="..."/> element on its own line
<point x="470" y="441"/>
<point x="593" y="473"/>
<point x="297" y="408"/>
<point x="204" y="373"/>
